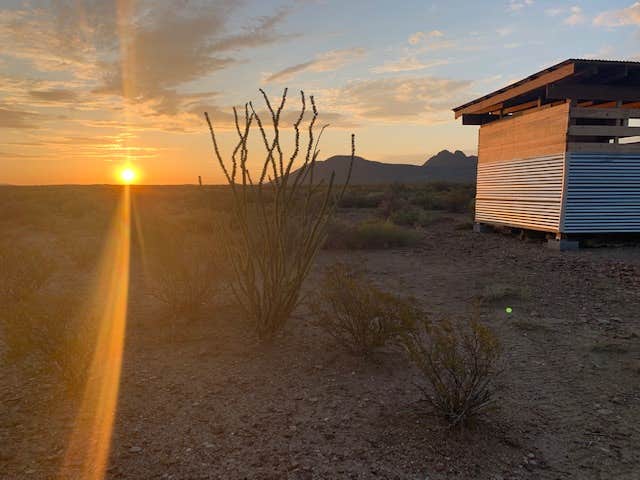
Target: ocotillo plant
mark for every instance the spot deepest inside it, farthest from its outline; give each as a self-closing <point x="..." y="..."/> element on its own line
<point x="280" y="218"/>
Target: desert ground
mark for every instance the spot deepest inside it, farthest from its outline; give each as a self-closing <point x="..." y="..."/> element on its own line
<point x="200" y="398"/>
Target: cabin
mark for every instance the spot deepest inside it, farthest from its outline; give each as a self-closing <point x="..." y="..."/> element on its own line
<point x="559" y="151"/>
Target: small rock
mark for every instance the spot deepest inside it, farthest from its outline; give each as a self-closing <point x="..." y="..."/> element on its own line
<point x="135" y="449"/>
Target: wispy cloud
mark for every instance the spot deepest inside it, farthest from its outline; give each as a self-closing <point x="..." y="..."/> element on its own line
<point x="325" y="62"/>
<point x="421" y="100"/>
<point x="517" y="5"/>
<point x="10" y="118"/>
<point x="576" y="16"/>
<point x="420" y="37"/>
<point x="144" y="56"/>
<point x="619" y="18"/>
<point x="407" y="64"/>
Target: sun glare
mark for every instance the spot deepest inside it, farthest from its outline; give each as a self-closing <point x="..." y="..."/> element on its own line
<point x="128" y="175"/>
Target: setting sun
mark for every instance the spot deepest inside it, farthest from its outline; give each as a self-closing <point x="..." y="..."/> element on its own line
<point x="128" y="175"/>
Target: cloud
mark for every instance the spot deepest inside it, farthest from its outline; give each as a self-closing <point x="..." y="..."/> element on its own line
<point x="420" y="37"/>
<point x="619" y="18"/>
<point x="554" y="12"/>
<point x="325" y="62"/>
<point x="422" y="100"/>
<point x="407" y="64"/>
<point x="576" y="16"/>
<point x="517" y="5"/>
<point x="10" y="118"/>
<point x="54" y="95"/>
<point x="144" y="53"/>
<point x="505" y="31"/>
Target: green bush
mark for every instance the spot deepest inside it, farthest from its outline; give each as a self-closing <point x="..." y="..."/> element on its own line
<point x="412" y="217"/>
<point x="357" y="314"/>
<point x="370" y="235"/>
<point x="459" y="361"/>
<point x="360" y="199"/>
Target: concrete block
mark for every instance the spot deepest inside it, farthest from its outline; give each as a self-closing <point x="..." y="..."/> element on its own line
<point x="563" y="244"/>
<point x="481" y="228"/>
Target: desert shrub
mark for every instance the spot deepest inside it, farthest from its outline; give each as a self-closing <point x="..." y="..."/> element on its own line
<point x="84" y="251"/>
<point x="357" y="314"/>
<point x="394" y="199"/>
<point x="281" y="215"/>
<point x="42" y="333"/>
<point x="361" y="199"/>
<point x="459" y="361"/>
<point x="23" y="272"/>
<point x="377" y="234"/>
<point x="412" y="217"/>
<point x="185" y="271"/>
<point x="500" y="292"/>
<point x="374" y="234"/>
<point x="444" y="196"/>
<point x="50" y="335"/>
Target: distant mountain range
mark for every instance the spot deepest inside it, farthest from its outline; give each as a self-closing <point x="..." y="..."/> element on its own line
<point x="442" y="167"/>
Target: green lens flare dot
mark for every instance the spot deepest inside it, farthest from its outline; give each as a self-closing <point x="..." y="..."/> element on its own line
<point x="508" y="309"/>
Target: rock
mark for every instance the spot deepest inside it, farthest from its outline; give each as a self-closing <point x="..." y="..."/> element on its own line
<point x="135" y="449"/>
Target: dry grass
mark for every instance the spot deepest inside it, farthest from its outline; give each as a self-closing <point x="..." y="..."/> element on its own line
<point x="357" y="314"/>
<point x="460" y="362"/>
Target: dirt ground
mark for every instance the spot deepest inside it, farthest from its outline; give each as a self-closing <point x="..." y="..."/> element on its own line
<point x="204" y="401"/>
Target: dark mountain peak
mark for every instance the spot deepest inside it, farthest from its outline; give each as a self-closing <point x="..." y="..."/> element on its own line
<point x="445" y="156"/>
<point x="444" y="166"/>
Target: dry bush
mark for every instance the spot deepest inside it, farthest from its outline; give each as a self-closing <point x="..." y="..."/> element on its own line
<point x="42" y="333"/>
<point x="184" y="272"/>
<point x="280" y="215"/>
<point x="23" y="272"/>
<point x="502" y="292"/>
<point x="412" y="217"/>
<point x="460" y="363"/>
<point x="370" y="235"/>
<point x="55" y="337"/>
<point x="357" y="314"/>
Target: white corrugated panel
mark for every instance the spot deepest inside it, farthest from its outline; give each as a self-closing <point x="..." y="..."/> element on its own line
<point x="521" y="193"/>
<point x="603" y="193"/>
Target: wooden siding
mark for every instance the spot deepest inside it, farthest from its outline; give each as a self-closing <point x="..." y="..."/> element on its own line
<point x="521" y="193"/>
<point x="602" y="193"/>
<point x="533" y="134"/>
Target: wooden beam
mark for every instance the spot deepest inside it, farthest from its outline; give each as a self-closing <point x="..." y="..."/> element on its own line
<point x="478" y="118"/>
<point x="517" y="89"/>
<point x="603" y="131"/>
<point x="522" y="106"/>
<point x="607" y="113"/>
<point x="587" y="147"/>
<point x="594" y="92"/>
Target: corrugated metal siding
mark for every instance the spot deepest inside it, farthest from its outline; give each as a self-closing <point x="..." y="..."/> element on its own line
<point x="603" y="193"/>
<point x="521" y="193"/>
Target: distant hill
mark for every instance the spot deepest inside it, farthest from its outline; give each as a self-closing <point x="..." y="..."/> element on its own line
<point x="443" y="167"/>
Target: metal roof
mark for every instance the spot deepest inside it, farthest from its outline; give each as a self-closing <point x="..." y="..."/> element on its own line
<point x="580" y="61"/>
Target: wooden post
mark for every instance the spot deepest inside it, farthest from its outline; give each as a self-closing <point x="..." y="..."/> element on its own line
<point x="200" y="180"/>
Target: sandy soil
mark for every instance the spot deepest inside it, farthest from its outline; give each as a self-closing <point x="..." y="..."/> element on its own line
<point x="206" y="402"/>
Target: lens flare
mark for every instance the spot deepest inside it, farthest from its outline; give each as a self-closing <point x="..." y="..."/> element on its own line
<point x="89" y="444"/>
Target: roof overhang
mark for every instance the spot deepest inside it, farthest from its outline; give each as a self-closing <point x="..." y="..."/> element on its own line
<point x="579" y="79"/>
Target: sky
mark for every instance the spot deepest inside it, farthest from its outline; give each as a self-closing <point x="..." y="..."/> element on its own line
<point x="89" y="86"/>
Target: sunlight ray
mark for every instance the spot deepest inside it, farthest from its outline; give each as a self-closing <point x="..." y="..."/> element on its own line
<point x="89" y="445"/>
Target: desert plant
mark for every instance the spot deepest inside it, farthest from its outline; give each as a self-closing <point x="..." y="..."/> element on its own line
<point x="357" y="314"/>
<point x="281" y="215"/>
<point x="412" y="217"/>
<point x="459" y="360"/>
<point x="23" y="272"/>
<point x="184" y="272"/>
<point x="374" y="234"/>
